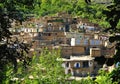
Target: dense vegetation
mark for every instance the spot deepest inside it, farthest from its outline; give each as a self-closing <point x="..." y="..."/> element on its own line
<point x="93" y="12"/>
<point x="113" y="18"/>
<point x="43" y="69"/>
<point x="11" y="49"/>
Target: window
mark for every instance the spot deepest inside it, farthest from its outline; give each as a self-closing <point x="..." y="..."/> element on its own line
<point x="49" y="24"/>
<point x="69" y="71"/>
<point x="67" y="64"/>
<point x="85" y="64"/>
<point x="49" y="34"/>
<point x="77" y="65"/>
<point x="90" y="63"/>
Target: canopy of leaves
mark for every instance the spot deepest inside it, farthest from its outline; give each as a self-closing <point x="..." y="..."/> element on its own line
<point x="10" y="51"/>
<point x="44" y="69"/>
<point x="75" y="7"/>
<point x="112" y="14"/>
<point x="113" y="17"/>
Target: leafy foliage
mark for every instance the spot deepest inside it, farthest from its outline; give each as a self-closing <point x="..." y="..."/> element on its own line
<point x="103" y="78"/>
<point x="113" y="18"/>
<point x="44" y="69"/>
<point x="11" y="51"/>
<point x="47" y="68"/>
<point x="75" y="7"/>
<point x="115" y="75"/>
<point x="112" y="14"/>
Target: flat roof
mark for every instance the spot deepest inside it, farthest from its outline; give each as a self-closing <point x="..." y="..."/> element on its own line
<point x="78" y="58"/>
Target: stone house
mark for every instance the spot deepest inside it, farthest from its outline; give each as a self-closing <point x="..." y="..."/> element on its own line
<point x="79" y="66"/>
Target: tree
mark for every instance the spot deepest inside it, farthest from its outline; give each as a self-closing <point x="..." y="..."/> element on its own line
<point x="113" y="18"/>
<point x="12" y="50"/>
<point x="49" y="69"/>
<point x="44" y="69"/>
<point x="112" y="14"/>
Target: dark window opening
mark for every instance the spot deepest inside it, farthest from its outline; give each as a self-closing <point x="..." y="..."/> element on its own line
<point x="49" y="34"/>
<point x="69" y="71"/>
<point x="67" y="64"/>
<point x="85" y="64"/>
<point x="67" y="28"/>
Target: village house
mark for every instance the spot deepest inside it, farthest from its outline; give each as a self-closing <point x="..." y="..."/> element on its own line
<point x="79" y="66"/>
